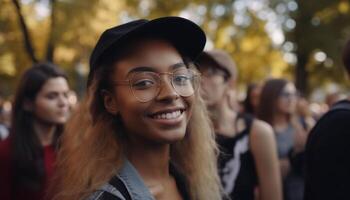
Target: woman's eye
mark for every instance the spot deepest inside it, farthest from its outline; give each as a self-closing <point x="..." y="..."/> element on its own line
<point x="51" y="96"/>
<point x="143" y="84"/>
<point x="182" y="79"/>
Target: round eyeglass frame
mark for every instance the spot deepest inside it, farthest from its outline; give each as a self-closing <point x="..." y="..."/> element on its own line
<point x="195" y="82"/>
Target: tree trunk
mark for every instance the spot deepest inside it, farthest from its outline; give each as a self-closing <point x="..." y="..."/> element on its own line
<point x="301" y="75"/>
<point x="51" y="41"/>
<point x="26" y="36"/>
<point x="303" y="50"/>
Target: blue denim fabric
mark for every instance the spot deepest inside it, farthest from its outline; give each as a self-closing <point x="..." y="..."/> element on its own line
<point x="133" y="182"/>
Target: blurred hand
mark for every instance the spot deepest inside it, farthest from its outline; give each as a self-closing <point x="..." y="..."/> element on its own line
<point x="285" y="167"/>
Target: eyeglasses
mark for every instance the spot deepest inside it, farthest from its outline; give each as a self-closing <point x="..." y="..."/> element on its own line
<point x="209" y="72"/>
<point x="146" y="85"/>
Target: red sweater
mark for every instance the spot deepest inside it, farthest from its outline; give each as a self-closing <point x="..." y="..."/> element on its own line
<point x="7" y="190"/>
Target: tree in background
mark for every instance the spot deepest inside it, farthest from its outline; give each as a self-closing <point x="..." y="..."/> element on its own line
<point x="266" y="38"/>
<point x="318" y="30"/>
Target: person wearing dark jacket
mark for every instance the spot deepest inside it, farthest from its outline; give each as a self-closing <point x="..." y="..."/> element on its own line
<point x="328" y="151"/>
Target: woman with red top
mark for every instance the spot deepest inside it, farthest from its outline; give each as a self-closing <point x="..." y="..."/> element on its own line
<point x="39" y="111"/>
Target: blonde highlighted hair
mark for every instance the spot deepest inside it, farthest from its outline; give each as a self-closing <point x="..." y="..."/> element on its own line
<point x="92" y="149"/>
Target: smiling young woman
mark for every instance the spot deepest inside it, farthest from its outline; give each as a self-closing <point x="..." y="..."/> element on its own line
<point x="142" y="131"/>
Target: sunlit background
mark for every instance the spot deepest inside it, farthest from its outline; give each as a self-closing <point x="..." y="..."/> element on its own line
<point x="298" y="40"/>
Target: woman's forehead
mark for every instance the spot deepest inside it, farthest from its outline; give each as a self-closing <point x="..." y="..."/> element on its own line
<point x="160" y="55"/>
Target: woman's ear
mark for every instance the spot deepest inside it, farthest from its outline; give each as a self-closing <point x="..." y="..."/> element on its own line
<point x="109" y="102"/>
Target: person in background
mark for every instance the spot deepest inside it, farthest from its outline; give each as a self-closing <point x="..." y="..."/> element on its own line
<point x="332" y="98"/>
<point x="248" y="158"/>
<point x="278" y="108"/>
<point x="4" y="129"/>
<point x="251" y="102"/>
<point x="328" y="149"/>
<point x="142" y="131"/>
<point x="39" y="112"/>
<point x="304" y="114"/>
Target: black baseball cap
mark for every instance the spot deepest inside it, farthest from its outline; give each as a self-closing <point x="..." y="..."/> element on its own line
<point x="187" y="37"/>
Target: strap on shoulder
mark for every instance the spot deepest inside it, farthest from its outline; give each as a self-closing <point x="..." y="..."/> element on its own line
<point x="120" y="186"/>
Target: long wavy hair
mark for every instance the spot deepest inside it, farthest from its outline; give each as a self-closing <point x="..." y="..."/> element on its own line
<point x="92" y="147"/>
<point x="268" y="99"/>
<point x="247" y="103"/>
<point x="27" y="151"/>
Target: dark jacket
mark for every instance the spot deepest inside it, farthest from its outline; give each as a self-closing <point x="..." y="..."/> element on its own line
<point x="328" y="156"/>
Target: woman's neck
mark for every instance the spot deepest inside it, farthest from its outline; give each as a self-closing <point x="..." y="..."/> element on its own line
<point x="223" y="119"/>
<point x="45" y="132"/>
<point x="151" y="161"/>
<point x="280" y="119"/>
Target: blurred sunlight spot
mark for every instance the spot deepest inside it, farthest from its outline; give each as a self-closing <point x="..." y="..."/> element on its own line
<point x="42" y="9"/>
<point x="219" y="10"/>
<point x="239" y="5"/>
<point x="256" y="5"/>
<point x="145" y="7"/>
<point x="290" y="58"/>
<point x="26" y="1"/>
<point x="277" y="37"/>
<point x="290" y="24"/>
<point x="281" y="8"/>
<point x="344" y="7"/>
<point x="209" y="45"/>
<point x="185" y="14"/>
<point x="315" y="21"/>
<point x="328" y="63"/>
<point x="320" y="56"/>
<point x="202" y="9"/>
<point x="288" y="46"/>
<point x="212" y="25"/>
<point x="239" y="20"/>
<point x="292" y="6"/>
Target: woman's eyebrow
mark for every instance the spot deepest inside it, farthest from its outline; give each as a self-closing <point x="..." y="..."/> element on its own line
<point x="141" y="69"/>
<point x="178" y="65"/>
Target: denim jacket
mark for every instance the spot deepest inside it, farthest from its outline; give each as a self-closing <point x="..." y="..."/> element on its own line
<point x="133" y="182"/>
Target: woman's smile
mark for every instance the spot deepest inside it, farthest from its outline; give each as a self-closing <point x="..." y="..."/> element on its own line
<point x="171" y="116"/>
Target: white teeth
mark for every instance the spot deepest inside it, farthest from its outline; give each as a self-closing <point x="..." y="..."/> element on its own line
<point x="171" y="115"/>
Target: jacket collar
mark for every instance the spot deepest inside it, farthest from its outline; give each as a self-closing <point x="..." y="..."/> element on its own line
<point x="134" y="183"/>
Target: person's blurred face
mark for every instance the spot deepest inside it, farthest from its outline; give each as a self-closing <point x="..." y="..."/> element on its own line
<point x="287" y="99"/>
<point x="213" y="84"/>
<point x="51" y="104"/>
<point x="160" y="117"/>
